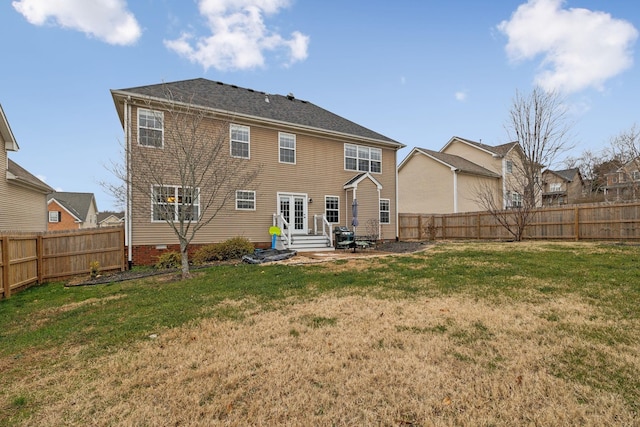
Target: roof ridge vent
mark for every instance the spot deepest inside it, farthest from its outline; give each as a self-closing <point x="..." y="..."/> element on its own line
<point x="290" y="96"/>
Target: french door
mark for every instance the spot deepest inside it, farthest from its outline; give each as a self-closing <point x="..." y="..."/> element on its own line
<point x="293" y="208"/>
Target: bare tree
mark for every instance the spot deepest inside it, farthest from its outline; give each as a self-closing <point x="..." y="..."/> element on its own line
<point x="624" y="150"/>
<point x="185" y="174"/>
<point x="538" y="123"/>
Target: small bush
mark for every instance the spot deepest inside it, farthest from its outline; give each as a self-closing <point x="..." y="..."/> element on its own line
<point x="234" y="248"/>
<point x="169" y="260"/>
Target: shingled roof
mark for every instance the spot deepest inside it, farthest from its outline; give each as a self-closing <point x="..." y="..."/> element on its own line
<point x="250" y="103"/>
<point x="459" y="163"/>
<point x="498" y="150"/>
<point x="77" y="204"/>
<point x="19" y="175"/>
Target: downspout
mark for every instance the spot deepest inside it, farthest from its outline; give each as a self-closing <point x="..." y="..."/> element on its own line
<point x="397" y="215"/>
<point x="127" y="137"/>
<point x="504" y="183"/>
<point x="455" y="190"/>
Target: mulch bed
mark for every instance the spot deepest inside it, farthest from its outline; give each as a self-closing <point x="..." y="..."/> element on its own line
<point x="120" y="276"/>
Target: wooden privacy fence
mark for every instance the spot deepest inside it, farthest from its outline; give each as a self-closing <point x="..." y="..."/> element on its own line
<point x="575" y="222"/>
<point x="31" y="258"/>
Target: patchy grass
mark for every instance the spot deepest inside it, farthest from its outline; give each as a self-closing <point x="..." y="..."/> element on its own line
<point x="462" y="334"/>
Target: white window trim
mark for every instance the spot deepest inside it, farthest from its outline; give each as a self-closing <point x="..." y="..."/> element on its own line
<point x="338" y="208"/>
<point x="388" y="211"/>
<point x="245" y="200"/>
<point x="57" y="216"/>
<point x="357" y="158"/>
<point x="294" y="149"/>
<point x="175" y="204"/>
<point x="248" y="142"/>
<point x="508" y="166"/>
<point x="152" y="112"/>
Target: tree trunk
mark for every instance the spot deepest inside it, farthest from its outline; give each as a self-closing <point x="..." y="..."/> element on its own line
<point x="184" y="255"/>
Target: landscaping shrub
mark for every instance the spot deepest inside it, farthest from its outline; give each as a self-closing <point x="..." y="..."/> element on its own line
<point x="169" y="260"/>
<point x="234" y="248"/>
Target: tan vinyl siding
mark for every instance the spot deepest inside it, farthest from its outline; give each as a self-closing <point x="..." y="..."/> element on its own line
<point x="318" y="171"/>
<point x="469" y="189"/>
<point x="426" y="186"/>
<point x="475" y="155"/>
<point x="24" y="210"/>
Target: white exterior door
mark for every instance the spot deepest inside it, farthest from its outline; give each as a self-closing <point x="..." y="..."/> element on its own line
<point x="293" y="208"/>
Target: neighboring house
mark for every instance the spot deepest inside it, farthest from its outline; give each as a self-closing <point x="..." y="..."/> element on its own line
<point x="458" y="177"/>
<point x="623" y="184"/>
<point x="71" y="211"/>
<point x="562" y="187"/>
<point x="110" y="219"/>
<point x="314" y="164"/>
<point x="23" y="197"/>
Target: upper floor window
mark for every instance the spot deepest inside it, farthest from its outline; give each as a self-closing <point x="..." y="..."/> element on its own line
<point x="240" y="141"/>
<point x="363" y="159"/>
<point x="385" y="211"/>
<point x="54" y="216"/>
<point x="173" y="203"/>
<point x="508" y="165"/>
<point x="516" y="200"/>
<point x="246" y="200"/>
<point x="635" y="175"/>
<point x="150" y="128"/>
<point x="555" y="186"/>
<point x="332" y="209"/>
<point x="287" y="146"/>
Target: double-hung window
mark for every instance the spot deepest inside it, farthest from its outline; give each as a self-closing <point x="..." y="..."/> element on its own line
<point x="245" y="200"/>
<point x="385" y="211"/>
<point x="287" y="146"/>
<point x="332" y="209"/>
<point x="240" y="141"/>
<point x="150" y="128"/>
<point x="362" y="159"/>
<point x="508" y="165"/>
<point x="555" y="186"/>
<point x="516" y="200"/>
<point x="173" y="203"/>
<point x="54" y="216"/>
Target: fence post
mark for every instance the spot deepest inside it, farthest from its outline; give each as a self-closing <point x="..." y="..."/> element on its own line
<point x="576" y="223"/>
<point x="444" y="227"/>
<point x="40" y="258"/>
<point x="479" y="228"/>
<point x="419" y="227"/>
<point x="5" y="266"/>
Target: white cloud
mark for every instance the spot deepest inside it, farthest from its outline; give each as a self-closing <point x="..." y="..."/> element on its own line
<point x="107" y="20"/>
<point x="239" y="37"/>
<point x="580" y="48"/>
<point x="461" y="96"/>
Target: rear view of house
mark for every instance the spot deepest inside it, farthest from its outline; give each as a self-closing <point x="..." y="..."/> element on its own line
<point x="23" y="203"/>
<point x="314" y="168"/>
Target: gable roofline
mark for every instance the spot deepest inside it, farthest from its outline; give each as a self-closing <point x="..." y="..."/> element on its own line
<point x="10" y="143"/>
<point x="77" y="204"/>
<point x="231" y="101"/>
<point x="566" y="174"/>
<point x="453" y="162"/>
<point x="68" y="209"/>
<point x="18" y="175"/>
<point x="495" y="151"/>
<point x="353" y="182"/>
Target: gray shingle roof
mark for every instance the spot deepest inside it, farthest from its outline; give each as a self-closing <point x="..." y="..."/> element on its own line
<point x="248" y="102"/>
<point x="76" y="203"/>
<point x="567" y="174"/>
<point x="24" y="176"/>
<point x="463" y="165"/>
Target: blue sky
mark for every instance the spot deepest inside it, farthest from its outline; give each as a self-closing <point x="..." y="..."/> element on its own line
<point x="419" y="72"/>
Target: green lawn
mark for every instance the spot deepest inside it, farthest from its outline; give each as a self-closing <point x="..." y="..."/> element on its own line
<point x="41" y="326"/>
